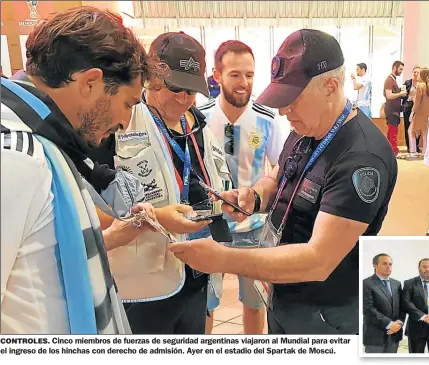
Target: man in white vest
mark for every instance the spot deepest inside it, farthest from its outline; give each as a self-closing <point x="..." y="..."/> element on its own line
<point x="169" y="148"/>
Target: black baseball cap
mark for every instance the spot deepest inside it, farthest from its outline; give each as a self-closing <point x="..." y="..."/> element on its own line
<point x="186" y="59"/>
<point x="304" y="54"/>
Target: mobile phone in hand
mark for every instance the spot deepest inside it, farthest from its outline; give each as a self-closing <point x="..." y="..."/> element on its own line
<point x="200" y="218"/>
<point x="208" y="189"/>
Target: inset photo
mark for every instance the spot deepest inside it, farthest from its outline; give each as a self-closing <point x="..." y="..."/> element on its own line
<point x="394" y="296"/>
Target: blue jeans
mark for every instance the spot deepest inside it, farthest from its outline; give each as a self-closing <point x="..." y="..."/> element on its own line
<point x="247" y="293"/>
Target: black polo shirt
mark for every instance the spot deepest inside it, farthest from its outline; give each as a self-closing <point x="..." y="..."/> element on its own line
<point x="353" y="178"/>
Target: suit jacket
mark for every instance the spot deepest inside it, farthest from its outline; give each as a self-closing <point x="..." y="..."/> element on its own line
<point x="414" y="303"/>
<point x="379" y="309"/>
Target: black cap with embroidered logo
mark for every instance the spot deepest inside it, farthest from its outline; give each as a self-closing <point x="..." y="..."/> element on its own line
<point x="186" y="59"/>
<point x="304" y="54"/>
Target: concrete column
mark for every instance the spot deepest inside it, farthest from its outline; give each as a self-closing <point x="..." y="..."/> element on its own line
<point x="416" y="49"/>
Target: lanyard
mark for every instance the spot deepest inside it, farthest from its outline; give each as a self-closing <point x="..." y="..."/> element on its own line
<point x="184" y="156"/>
<point x="313" y="158"/>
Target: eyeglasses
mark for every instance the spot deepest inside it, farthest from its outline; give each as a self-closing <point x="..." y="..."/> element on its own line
<point x="229" y="133"/>
<point x="177" y="90"/>
<point x="302" y="147"/>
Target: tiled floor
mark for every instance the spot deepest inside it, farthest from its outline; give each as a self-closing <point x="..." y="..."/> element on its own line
<point x="228" y="317"/>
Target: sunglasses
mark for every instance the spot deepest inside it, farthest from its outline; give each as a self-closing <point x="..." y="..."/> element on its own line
<point x="302" y="147"/>
<point x="177" y="90"/>
<point x="229" y="133"/>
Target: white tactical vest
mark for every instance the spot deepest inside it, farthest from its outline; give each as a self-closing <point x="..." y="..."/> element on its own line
<point x="145" y="270"/>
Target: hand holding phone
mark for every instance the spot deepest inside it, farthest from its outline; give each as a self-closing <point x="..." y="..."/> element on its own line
<point x="200" y="218"/>
<point x="234" y="205"/>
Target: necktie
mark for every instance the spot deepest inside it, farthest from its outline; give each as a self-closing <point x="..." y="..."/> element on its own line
<point x="425" y="286"/>
<point x="387" y="284"/>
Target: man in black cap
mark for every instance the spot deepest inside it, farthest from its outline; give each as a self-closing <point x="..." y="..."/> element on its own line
<point x="333" y="184"/>
<point x="169" y="148"/>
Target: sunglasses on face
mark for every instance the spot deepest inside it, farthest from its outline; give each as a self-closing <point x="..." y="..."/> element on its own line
<point x="177" y="90"/>
<point x="229" y="133"/>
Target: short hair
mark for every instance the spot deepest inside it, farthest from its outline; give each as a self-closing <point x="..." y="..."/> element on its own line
<point x="362" y="66"/>
<point x="318" y="81"/>
<point x="416" y="66"/>
<point x="232" y="46"/>
<point x="396" y="64"/>
<point x="82" y="38"/>
<point x="420" y="262"/>
<point x="376" y="257"/>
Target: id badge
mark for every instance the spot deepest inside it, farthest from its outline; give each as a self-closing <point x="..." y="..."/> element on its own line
<point x="265" y="291"/>
<point x="270" y="237"/>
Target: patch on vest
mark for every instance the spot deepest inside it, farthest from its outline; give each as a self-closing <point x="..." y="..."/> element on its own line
<point x="152" y="190"/>
<point x="133" y="135"/>
<point x="145" y="171"/>
<point x="366" y="181"/>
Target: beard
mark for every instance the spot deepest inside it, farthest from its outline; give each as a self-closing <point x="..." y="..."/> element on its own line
<point x="234" y="100"/>
<point x="95" y="122"/>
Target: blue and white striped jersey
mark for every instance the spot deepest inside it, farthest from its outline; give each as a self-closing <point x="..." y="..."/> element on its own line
<point x="258" y="135"/>
<point x="365" y="92"/>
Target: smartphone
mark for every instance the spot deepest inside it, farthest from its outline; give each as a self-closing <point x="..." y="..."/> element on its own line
<point x="208" y="189"/>
<point x="200" y="218"/>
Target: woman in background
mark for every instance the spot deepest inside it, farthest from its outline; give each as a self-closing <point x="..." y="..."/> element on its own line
<point x="420" y="114"/>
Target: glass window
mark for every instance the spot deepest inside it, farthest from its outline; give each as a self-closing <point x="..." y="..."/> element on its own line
<point x="354" y="42"/>
<point x="214" y="37"/>
<point x="386" y="50"/>
<point x="259" y="40"/>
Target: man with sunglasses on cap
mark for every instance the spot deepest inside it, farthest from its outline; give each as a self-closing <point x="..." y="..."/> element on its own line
<point x="169" y="148"/>
<point x="333" y="183"/>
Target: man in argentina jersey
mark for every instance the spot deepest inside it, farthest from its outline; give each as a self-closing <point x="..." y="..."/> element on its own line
<point x="251" y="135"/>
<point x="362" y="83"/>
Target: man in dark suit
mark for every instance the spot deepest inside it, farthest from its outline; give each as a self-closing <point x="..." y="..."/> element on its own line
<point x="383" y="318"/>
<point x="415" y="301"/>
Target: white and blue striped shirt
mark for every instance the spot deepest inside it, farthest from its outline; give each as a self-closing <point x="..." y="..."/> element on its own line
<point x="365" y="92"/>
<point x="258" y="134"/>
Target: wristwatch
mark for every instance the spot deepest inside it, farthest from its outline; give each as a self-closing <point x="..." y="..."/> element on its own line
<point x="257" y="201"/>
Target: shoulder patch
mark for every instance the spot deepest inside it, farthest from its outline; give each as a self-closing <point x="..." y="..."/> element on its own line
<point x="263" y="110"/>
<point x="366" y="181"/>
